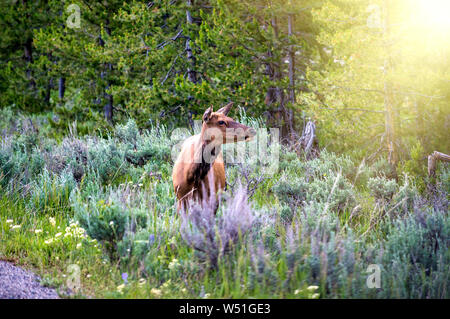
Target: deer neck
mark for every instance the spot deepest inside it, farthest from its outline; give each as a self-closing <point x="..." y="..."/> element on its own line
<point x="206" y="153"/>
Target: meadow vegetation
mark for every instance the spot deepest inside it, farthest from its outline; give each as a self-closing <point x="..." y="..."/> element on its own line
<point x="105" y="201"/>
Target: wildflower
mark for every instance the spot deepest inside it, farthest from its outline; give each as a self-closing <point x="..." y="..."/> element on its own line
<point x="120" y="288"/>
<point x="15" y="227"/>
<point x="141" y="282"/>
<point x="9" y="221"/>
<point x="206" y="296"/>
<point x="38" y="231"/>
<point x="79" y="246"/>
<point x="88" y="276"/>
<point x="166" y="284"/>
<point x="315" y="296"/>
<point x="58" y="235"/>
<point x="313" y="288"/>
<point x="156" y="292"/>
<point x="49" y="241"/>
<point x="125" y="278"/>
<point x="151" y="239"/>
<point x="111" y="223"/>
<point x="52" y="221"/>
<point x="297" y="291"/>
<point x="172" y="241"/>
<point x="174" y="264"/>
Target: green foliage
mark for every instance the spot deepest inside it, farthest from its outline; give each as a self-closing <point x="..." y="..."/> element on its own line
<point x="417" y="250"/>
<point x="106" y="159"/>
<point x="381" y="188"/>
<point x="49" y="193"/>
<point x="416" y="165"/>
<point x="103" y="220"/>
<point x="321" y="179"/>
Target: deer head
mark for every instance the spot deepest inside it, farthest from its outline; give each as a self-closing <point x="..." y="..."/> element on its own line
<point x="219" y="129"/>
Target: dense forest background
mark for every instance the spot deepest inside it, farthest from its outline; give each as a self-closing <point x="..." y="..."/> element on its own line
<point x="372" y="75"/>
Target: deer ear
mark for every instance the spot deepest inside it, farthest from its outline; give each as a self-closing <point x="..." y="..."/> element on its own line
<point x="207" y="114"/>
<point x="226" y="109"/>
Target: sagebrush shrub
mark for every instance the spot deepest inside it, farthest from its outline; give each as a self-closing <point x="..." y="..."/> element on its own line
<point x="291" y="190"/>
<point x="214" y="235"/>
<point x="415" y="256"/>
<point x="106" y="158"/>
<point x="127" y="133"/>
<point x="382" y="188"/>
<point x="102" y="220"/>
<point x="6" y="166"/>
<point x="51" y="191"/>
<point x="382" y="168"/>
<point x="330" y="188"/>
<point x="71" y="154"/>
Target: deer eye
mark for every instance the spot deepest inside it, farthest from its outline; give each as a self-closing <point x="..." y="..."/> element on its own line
<point x="221" y="123"/>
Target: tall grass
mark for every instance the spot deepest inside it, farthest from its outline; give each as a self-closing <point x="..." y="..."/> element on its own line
<point x="308" y="231"/>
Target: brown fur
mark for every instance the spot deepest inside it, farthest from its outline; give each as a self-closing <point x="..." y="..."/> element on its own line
<point x="192" y="175"/>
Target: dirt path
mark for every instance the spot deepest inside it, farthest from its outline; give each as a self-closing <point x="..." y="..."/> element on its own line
<point x="17" y="283"/>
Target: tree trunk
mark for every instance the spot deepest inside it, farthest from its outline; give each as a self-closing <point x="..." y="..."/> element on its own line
<point x="192" y="75"/>
<point x="275" y="95"/>
<point x="109" y="107"/>
<point x="388" y="98"/>
<point x="28" y="52"/>
<point x="61" y="88"/>
<point x="291" y="55"/>
<point x="48" y="91"/>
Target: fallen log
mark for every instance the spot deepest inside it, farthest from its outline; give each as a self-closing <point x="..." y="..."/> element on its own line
<point x="432" y="161"/>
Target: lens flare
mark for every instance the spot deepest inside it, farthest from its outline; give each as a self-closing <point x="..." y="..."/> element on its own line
<point x="434" y="13"/>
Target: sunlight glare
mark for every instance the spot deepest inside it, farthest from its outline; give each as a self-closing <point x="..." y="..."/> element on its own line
<point x="434" y="13"/>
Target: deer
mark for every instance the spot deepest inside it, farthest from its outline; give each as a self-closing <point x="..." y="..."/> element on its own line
<point x="199" y="170"/>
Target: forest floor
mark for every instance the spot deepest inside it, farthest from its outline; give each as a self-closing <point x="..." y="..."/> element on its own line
<point x="18" y="283"/>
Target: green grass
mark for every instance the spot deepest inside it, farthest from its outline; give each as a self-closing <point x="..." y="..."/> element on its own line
<point x="41" y="244"/>
<point x="292" y="248"/>
<point x="37" y="242"/>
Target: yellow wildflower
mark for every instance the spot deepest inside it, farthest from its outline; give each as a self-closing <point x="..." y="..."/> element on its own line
<point x="120" y="288"/>
<point x="156" y="292"/>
